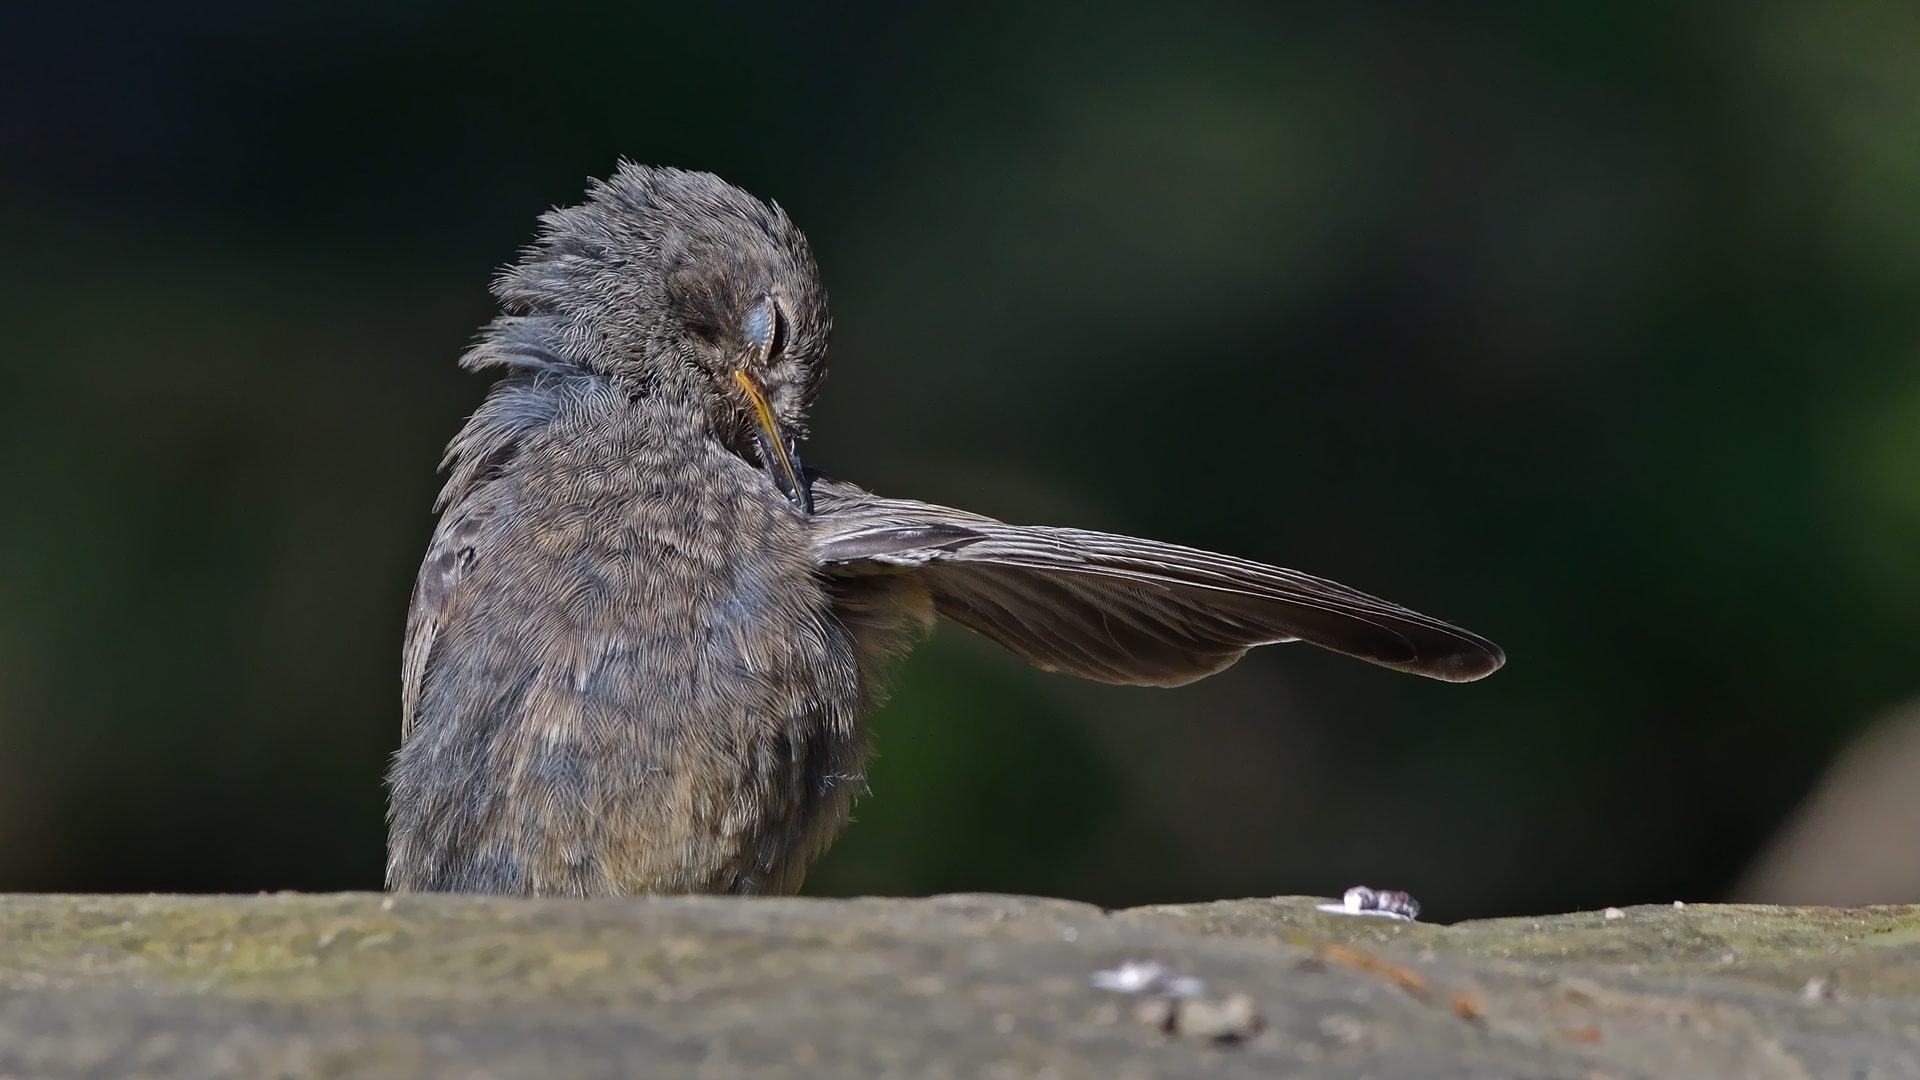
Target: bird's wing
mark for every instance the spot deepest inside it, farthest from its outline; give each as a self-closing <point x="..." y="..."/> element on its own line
<point x="1120" y="609"/>
<point x="450" y="559"/>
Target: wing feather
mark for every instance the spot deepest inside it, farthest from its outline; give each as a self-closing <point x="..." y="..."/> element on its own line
<point x="1120" y="609"/>
<point x="457" y="545"/>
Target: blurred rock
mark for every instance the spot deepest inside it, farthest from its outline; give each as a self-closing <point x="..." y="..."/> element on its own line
<point x="1856" y="839"/>
<point x="359" y="985"/>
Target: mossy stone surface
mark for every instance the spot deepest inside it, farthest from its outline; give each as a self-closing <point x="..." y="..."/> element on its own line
<point x="364" y="985"/>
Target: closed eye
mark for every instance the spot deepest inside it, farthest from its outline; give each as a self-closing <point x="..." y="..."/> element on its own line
<point x="777" y="341"/>
<point x="767" y="330"/>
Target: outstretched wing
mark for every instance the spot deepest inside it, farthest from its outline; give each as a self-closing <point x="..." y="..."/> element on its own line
<point x="1119" y="609"/>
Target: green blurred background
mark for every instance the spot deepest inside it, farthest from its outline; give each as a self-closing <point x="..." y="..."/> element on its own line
<point x="1591" y="326"/>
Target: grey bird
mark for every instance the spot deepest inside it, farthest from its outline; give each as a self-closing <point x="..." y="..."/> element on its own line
<point x="644" y="640"/>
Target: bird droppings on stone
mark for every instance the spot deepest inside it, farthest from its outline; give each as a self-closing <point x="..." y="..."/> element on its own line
<point x="1383" y="903"/>
<point x="1147" y="977"/>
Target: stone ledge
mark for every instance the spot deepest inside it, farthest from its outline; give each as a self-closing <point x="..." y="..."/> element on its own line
<point x="364" y="985"/>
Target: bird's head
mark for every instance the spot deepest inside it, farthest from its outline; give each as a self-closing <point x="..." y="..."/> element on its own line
<point x="679" y="282"/>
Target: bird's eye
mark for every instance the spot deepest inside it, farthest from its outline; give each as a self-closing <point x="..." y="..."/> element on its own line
<point x="777" y="341"/>
<point x="766" y="329"/>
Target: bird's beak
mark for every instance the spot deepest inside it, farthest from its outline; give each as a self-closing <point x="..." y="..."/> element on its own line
<point x="781" y="461"/>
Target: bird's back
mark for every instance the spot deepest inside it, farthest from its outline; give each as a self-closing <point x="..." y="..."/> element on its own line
<point x="623" y="673"/>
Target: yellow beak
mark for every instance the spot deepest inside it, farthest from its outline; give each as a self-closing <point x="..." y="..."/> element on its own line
<point x="775" y="457"/>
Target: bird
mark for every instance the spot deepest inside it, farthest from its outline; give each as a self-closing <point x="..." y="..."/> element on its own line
<point x="644" y="640"/>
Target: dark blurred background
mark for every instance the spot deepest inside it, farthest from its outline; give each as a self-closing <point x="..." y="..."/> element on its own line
<point x="1591" y="326"/>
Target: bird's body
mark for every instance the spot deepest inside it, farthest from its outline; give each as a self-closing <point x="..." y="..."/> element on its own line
<point x="654" y="692"/>
<point x="643" y="642"/>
